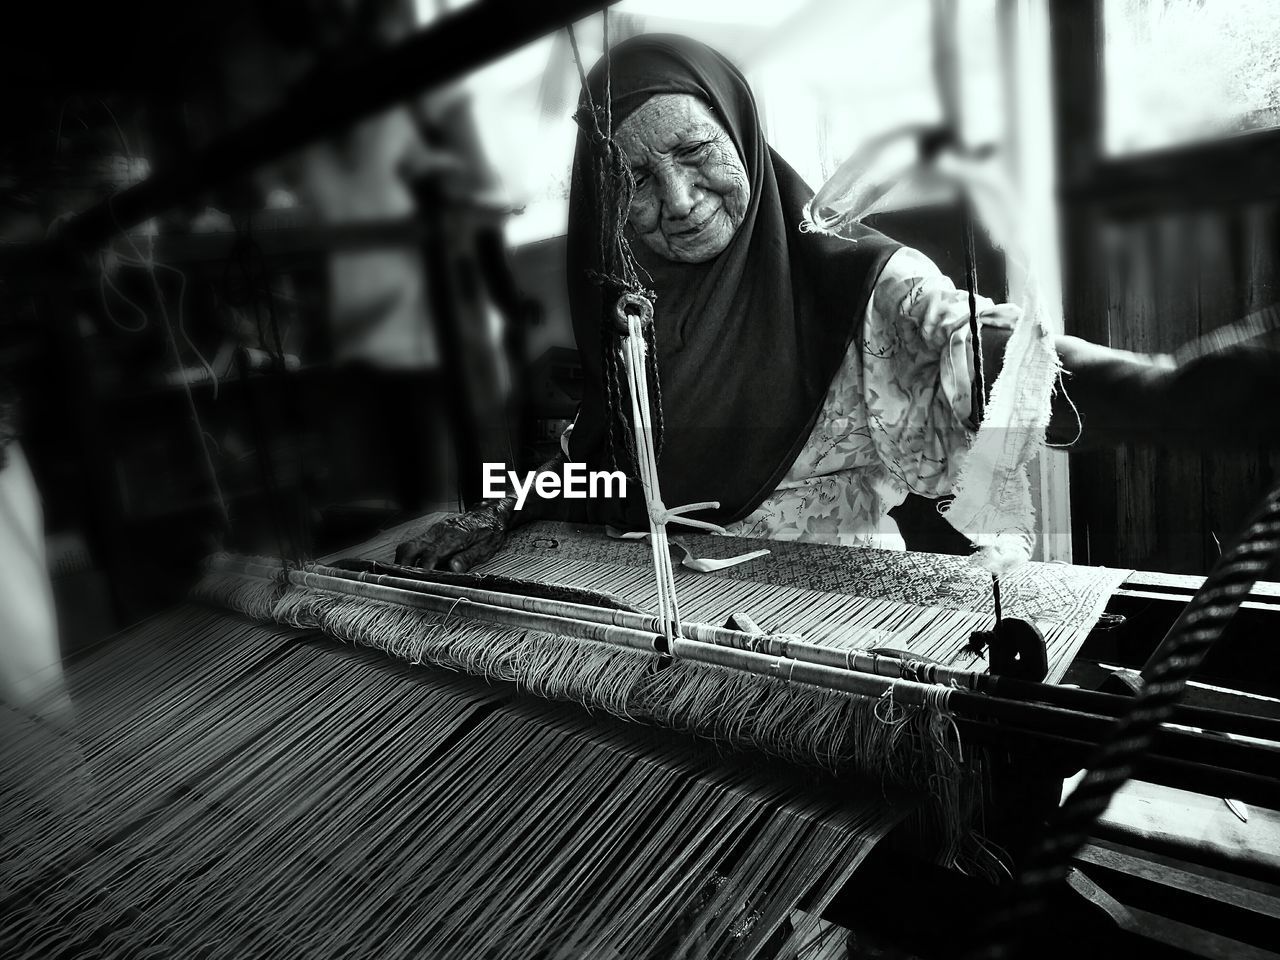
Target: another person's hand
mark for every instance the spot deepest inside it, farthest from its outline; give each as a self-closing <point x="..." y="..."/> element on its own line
<point x="460" y="541"/>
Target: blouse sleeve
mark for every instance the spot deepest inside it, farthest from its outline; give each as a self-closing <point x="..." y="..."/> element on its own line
<point x="916" y="371"/>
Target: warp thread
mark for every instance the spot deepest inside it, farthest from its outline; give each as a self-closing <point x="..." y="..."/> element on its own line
<point x="886" y="742"/>
<point x="215" y="758"/>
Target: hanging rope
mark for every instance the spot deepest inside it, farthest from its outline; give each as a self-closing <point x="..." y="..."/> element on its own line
<point x="1189" y="641"/>
<point x="628" y="340"/>
<point x="617" y="273"/>
<point x="634" y="313"/>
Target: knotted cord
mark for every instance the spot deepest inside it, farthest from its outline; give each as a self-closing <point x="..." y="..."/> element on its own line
<point x="629" y="344"/>
<point x="617" y="272"/>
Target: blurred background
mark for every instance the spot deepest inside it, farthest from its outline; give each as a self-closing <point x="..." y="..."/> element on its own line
<point x="286" y="361"/>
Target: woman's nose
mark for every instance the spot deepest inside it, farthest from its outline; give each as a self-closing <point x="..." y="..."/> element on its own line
<point x="679" y="194"/>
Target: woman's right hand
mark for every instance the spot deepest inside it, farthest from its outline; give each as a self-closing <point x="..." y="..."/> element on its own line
<point x="459" y="542"/>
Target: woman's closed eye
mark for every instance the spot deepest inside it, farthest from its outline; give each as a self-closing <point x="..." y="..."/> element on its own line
<point x="692" y="151"/>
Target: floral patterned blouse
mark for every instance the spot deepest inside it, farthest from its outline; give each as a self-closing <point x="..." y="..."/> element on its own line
<point x="895" y="416"/>
<point x="893" y="419"/>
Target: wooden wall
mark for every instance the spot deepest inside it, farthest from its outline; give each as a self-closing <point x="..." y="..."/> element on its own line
<point x="1168" y="278"/>
<point x="1159" y="248"/>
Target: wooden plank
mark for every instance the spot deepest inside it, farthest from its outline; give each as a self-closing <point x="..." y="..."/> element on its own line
<point x="1200" y="828"/>
<point x="1184" y="938"/>
<point x="1179" y="478"/>
<point x="1130" y="286"/>
<point x="1219" y="905"/>
<point x="1090" y="674"/>
<point x="1207" y="175"/>
<point x="1075" y="39"/>
<point x="1260" y="283"/>
<point x="1189" y="583"/>
<point x="1191" y="939"/>
<point x="1234" y="880"/>
<point x="1167" y="873"/>
<point x="1153" y="308"/>
<point x="1181" y="599"/>
<point x="1087" y="312"/>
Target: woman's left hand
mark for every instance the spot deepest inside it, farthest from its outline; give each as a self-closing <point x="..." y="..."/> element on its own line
<point x="941" y="312"/>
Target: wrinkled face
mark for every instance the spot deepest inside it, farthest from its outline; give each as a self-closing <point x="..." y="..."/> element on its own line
<point x="691" y="187"/>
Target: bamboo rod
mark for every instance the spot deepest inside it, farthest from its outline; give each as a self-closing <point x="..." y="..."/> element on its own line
<point x="1115" y="705"/>
<point x="503" y="616"/>
<point x="1102" y="704"/>
<point x="771" y="644"/>
<point x="905" y="692"/>
<point x="1036" y="719"/>
<point x="1186" y="745"/>
<point x="778" y="645"/>
<point x="1204" y="778"/>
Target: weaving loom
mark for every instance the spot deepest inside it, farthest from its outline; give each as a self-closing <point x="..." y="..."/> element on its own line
<point x="238" y="783"/>
<point x="236" y="789"/>
<point x="455" y="820"/>
<point x="249" y="789"/>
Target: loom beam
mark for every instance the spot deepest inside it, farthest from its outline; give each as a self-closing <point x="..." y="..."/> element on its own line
<point x="1182" y="758"/>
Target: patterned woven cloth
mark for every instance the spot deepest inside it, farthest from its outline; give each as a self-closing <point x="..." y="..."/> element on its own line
<point x="1036" y="591"/>
<point x="1063" y="600"/>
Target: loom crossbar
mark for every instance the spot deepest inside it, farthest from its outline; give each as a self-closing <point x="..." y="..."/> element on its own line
<point x="725" y="648"/>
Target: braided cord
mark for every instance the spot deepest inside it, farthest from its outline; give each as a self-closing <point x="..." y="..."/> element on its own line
<point x="1188" y="642"/>
<point x="655" y="387"/>
<point x="617" y="271"/>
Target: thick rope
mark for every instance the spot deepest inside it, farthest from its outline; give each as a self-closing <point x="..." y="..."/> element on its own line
<point x="617" y="273"/>
<point x="1190" y="639"/>
<point x="634" y="350"/>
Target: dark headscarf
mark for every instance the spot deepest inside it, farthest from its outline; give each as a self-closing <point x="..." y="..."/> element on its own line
<point x="748" y="342"/>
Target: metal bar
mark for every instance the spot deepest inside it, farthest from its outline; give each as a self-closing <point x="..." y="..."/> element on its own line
<point x="448" y="49"/>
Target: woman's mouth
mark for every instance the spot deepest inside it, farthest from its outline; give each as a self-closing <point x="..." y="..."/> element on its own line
<point x="689" y="231"/>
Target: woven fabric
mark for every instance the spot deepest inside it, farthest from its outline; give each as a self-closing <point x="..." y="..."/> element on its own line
<point x="948" y="593"/>
<point x="992" y="506"/>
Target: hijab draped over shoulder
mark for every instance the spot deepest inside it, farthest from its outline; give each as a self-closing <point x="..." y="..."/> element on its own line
<point x="748" y="342"/>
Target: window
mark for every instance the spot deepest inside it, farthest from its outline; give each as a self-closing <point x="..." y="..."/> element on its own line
<point x="827" y="77"/>
<point x="1182" y="71"/>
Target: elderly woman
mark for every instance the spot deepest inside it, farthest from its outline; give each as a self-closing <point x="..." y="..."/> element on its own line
<point x="809" y="383"/>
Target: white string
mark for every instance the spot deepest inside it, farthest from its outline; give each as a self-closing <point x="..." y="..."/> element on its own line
<point x="633" y="353"/>
<point x="633" y="348"/>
